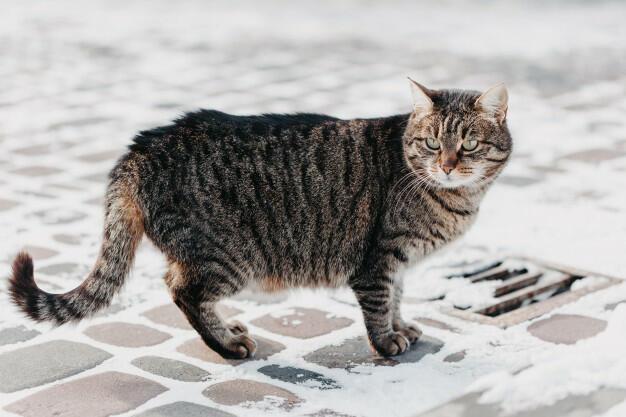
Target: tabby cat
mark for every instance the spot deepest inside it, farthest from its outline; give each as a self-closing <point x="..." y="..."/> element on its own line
<point x="282" y="201"/>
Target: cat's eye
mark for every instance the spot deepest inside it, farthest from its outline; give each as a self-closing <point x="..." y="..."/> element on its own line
<point x="433" y="143"/>
<point x="470" y="144"/>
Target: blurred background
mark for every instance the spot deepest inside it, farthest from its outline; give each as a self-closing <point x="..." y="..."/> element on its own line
<point x="78" y="79"/>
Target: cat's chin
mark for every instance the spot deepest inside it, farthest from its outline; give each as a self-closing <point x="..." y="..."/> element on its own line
<point x="455" y="183"/>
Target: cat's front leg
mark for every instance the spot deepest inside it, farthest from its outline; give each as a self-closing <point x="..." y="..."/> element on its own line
<point x="375" y="294"/>
<point x="408" y="330"/>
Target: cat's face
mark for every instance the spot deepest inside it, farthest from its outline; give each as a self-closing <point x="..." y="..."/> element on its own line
<point x="457" y="138"/>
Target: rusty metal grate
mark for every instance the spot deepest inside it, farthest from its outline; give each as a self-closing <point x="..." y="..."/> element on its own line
<point x="524" y="289"/>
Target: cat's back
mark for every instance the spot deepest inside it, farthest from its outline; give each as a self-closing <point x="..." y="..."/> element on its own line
<point x="207" y="128"/>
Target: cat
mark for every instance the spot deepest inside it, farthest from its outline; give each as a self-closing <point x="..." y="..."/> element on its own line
<point x="283" y="201"/>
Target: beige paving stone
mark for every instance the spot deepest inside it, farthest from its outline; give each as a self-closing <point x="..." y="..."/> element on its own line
<point x="170" y="315"/>
<point x="566" y="328"/>
<point x="595" y="155"/>
<point x="68" y="239"/>
<point x="196" y="348"/>
<point x="98" y="395"/>
<point x="435" y="323"/>
<point x="242" y="391"/>
<point x="302" y="323"/>
<point x="126" y="334"/>
<point x="40" y="253"/>
<point x="36" y="171"/>
<point x="7" y="204"/>
<point x="102" y="156"/>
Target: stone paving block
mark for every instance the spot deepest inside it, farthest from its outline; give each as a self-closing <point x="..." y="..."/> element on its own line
<point x="455" y="357"/>
<point x="196" y="348"/>
<point x="435" y="323"/>
<point x="593" y="404"/>
<point x="98" y="395"/>
<point x="36" y="171"/>
<point x="126" y="334"/>
<point x="170" y="315"/>
<point x="356" y="351"/>
<point x="39" y="364"/>
<point x="38" y="253"/>
<point x="170" y="368"/>
<point x="594" y="156"/>
<point x="298" y="376"/>
<point x="59" y="216"/>
<point x="303" y="323"/>
<point x="184" y="409"/>
<point x="517" y="181"/>
<point x="16" y="334"/>
<point x="102" y="156"/>
<point x="566" y="328"/>
<point x="613" y="306"/>
<point x="242" y="391"/>
<point x="68" y="239"/>
<point x="64" y="268"/>
<point x="326" y="412"/>
<point x="7" y="204"/>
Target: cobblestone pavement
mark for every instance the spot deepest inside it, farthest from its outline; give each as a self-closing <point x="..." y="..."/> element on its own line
<point x="78" y="79"/>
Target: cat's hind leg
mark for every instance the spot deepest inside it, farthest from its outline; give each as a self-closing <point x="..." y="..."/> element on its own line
<point x="196" y="291"/>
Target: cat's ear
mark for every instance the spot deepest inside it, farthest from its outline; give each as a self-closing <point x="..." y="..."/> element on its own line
<point x="422" y="103"/>
<point x="494" y="102"/>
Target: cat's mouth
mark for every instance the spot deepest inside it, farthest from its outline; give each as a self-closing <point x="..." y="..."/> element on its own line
<point x="455" y="179"/>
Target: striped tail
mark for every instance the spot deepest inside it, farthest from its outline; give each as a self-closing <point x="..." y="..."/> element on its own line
<point x="123" y="229"/>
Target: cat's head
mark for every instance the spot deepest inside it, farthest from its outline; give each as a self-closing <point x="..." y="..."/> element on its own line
<point x="457" y="138"/>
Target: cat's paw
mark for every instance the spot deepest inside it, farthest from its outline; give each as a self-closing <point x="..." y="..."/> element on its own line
<point x="410" y="331"/>
<point x="240" y="346"/>
<point x="237" y="327"/>
<point x="391" y="344"/>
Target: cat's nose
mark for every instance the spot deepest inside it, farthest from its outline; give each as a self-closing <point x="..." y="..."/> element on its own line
<point x="448" y="165"/>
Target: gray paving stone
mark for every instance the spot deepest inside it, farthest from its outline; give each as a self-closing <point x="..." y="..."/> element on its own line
<point x="613" y="306"/>
<point x="566" y="328"/>
<point x="241" y="391"/>
<point x="517" y="181"/>
<point x="59" y="216"/>
<point x="455" y="357"/>
<point x="170" y="368"/>
<point x="298" y="376"/>
<point x="16" y="334"/>
<point x="303" y="323"/>
<point x="356" y="351"/>
<point x="592" y="404"/>
<point x="100" y="395"/>
<point x="196" y="348"/>
<point x="184" y="409"/>
<point x="47" y="362"/>
<point x="126" y="334"/>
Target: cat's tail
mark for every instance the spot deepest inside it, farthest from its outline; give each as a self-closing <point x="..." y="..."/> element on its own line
<point x="123" y="229"/>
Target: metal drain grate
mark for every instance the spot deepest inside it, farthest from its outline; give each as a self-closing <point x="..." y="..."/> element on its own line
<point x="524" y="289"/>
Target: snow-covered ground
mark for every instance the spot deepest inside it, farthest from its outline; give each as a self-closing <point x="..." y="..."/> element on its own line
<point x="79" y="79"/>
